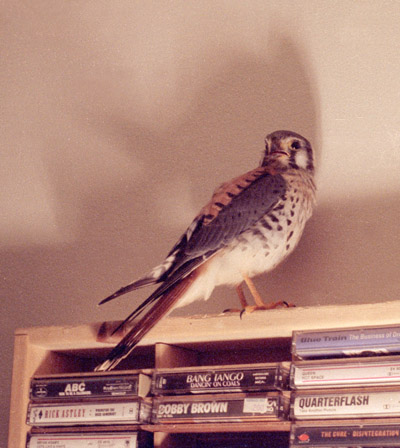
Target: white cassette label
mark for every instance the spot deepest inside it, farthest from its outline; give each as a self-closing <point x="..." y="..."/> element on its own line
<point x="83" y="441"/>
<point x="346" y="374"/>
<point x="377" y="404"/>
<point x="258" y="405"/>
<point x="86" y="413"/>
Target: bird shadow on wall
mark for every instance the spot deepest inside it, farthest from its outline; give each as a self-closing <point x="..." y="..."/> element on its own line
<point x="126" y="230"/>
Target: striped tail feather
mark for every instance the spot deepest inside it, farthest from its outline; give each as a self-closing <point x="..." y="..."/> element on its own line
<point x="163" y="305"/>
<point x="156" y="275"/>
<point x="146" y="281"/>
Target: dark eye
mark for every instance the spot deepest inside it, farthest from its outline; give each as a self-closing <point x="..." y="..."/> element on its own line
<point x="295" y="144"/>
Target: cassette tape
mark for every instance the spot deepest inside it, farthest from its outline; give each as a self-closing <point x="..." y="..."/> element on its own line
<point x="374" y="433"/>
<point x="345" y="404"/>
<point x="237" y="378"/>
<point x="89" y="413"/>
<point x="336" y="343"/>
<point x="85" y="386"/>
<point x="90" y="440"/>
<point x="377" y="371"/>
<point x="270" y="406"/>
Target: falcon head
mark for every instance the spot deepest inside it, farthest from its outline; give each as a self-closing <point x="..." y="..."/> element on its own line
<point x="288" y="150"/>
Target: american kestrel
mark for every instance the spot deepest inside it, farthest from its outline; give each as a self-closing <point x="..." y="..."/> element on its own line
<point x="250" y="225"/>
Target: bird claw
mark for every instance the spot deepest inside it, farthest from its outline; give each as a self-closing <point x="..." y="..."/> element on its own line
<point x="232" y="310"/>
<point x="266" y="306"/>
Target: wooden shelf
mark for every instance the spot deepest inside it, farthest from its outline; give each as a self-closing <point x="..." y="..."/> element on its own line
<point x="224" y="327"/>
<point x="262" y="336"/>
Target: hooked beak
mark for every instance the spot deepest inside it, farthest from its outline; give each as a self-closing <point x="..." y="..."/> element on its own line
<point x="280" y="153"/>
<point x="276" y="150"/>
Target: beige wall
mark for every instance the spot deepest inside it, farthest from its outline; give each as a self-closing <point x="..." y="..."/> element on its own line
<point x="119" y="118"/>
